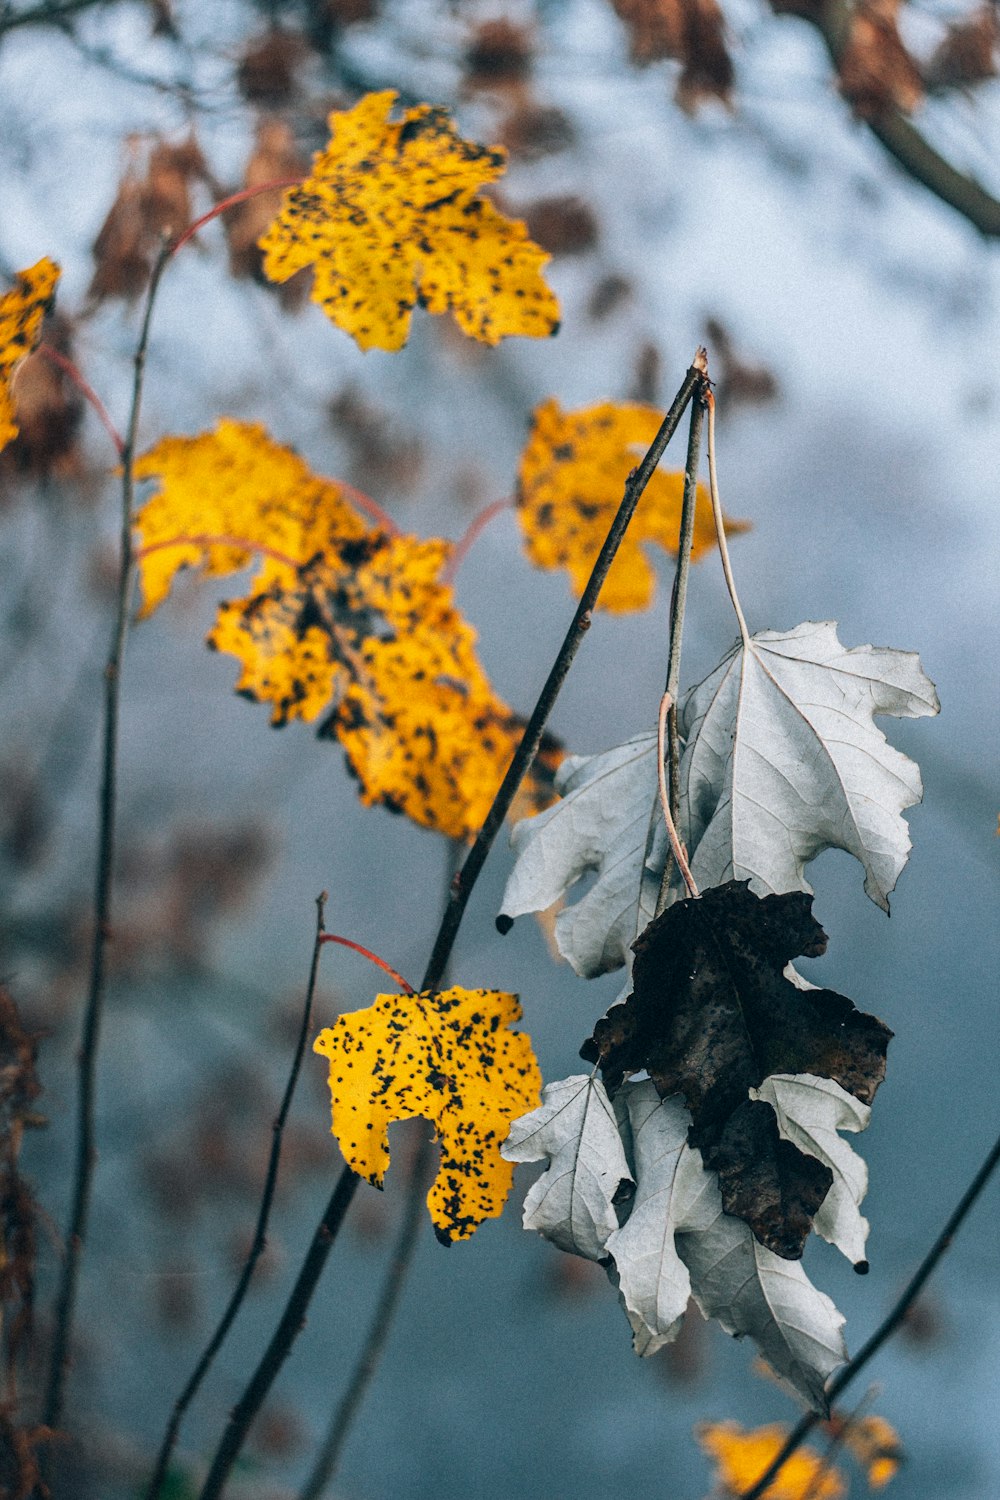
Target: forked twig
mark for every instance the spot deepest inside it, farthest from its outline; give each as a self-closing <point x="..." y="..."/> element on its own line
<point x="87" y="1067"/>
<point x="885" y="1329"/>
<point x="259" y="1241"/>
<point x="461" y="888"/>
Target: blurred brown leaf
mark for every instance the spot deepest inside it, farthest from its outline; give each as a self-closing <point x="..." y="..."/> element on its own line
<point x="275" y="158"/>
<point x="739" y="382"/>
<point x="968" y="53"/>
<point x="48" y="410"/>
<point x="876" y="72"/>
<point x="266" y="71"/>
<point x="382" y="455"/>
<point x="693" y="33"/>
<point x="499" y="53"/>
<point x="562" y="225"/>
<point x="531" y="131"/>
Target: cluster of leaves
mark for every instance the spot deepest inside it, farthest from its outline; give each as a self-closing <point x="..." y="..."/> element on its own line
<point x="704" y="1178"/>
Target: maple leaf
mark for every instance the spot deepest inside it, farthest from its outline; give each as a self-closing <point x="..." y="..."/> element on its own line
<point x="450" y="1058"/>
<point x="809" y="1112"/>
<point x="573" y="1202"/>
<point x="742" y="1456"/>
<point x="22" y="311"/>
<point x="712" y="1015"/>
<point x="390" y="218"/>
<point x="782" y="760"/>
<point x="569" y="487"/>
<point x="341" y="620"/>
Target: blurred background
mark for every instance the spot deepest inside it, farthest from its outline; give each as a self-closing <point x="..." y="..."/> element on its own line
<point x="698" y="176"/>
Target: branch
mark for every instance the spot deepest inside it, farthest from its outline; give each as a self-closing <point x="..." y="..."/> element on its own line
<point x="293" y="1318"/>
<point x="887" y="1328"/>
<point x="86" y="1153"/>
<point x="46" y="15"/>
<point x="898" y="134"/>
<point x="215" y="1343"/>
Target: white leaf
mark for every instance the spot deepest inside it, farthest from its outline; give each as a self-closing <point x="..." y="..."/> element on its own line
<point x="782" y="759"/>
<point x="653" y="1281"/>
<point x="572" y="1203"/>
<point x="810" y="1111"/>
<point x="752" y="1291"/>
<point x="601" y="824"/>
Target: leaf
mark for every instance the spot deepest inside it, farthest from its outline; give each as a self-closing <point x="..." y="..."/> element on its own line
<point x="572" y="1203"/>
<point x="390" y="218"/>
<point x="570" y="483"/>
<point x="451" y="1059"/>
<point x="875" y="1444"/>
<point x="751" y="1291"/>
<point x="601" y="823"/>
<point x="783" y="760"/>
<point x="742" y="1456"/>
<point x="341" y="620"/>
<point x="712" y="1015"/>
<point x="653" y="1281"/>
<point x="809" y="1113"/>
<point x="22" y="311"/>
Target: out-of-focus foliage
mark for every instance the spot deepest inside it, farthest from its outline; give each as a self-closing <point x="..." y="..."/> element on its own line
<point x="570" y="484"/>
<point x="450" y="1058"/>
<point x="390" y="218"/>
<point x="741" y="1456"/>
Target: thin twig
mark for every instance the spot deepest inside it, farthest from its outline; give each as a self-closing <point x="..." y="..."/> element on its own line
<point x="51" y="14"/>
<point x="86" y="1153"/>
<point x="678" y="602"/>
<point x="259" y="1241"/>
<point x="720" y="523"/>
<point x="661" y="769"/>
<point x="62" y="362"/>
<point x="461" y="887"/>
<point x="888" y="1327"/>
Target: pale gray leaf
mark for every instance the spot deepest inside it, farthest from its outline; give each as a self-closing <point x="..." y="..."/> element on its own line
<point x="572" y="1203"/>
<point x="782" y="759"/>
<point x="653" y="1281"/>
<point x="601" y="824"/>
<point x="810" y="1111"/>
<point x="752" y="1291"/>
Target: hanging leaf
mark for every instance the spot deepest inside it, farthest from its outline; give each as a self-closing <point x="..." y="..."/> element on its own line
<point x="573" y="1202"/>
<point x="653" y="1281"/>
<point x="742" y="1456"/>
<point x="390" y="218"/>
<point x="570" y="484"/>
<point x="809" y="1113"/>
<point x="341" y="621"/>
<point x="606" y="814"/>
<point x="712" y="1015"/>
<point x="782" y="760"/>
<point x="22" y="311"/>
<point x="875" y="1444"/>
<point x="451" y="1059"/>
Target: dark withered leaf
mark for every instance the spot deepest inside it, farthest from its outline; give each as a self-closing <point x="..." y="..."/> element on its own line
<point x="712" y="1015"/>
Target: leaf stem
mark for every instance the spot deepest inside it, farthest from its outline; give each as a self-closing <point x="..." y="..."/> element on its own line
<point x="678" y="602"/>
<point x="460" y="889"/>
<point x="62" y="362"/>
<point x="661" y="770"/>
<point x="888" y="1327"/>
<point x="86" y="1153"/>
<point x="475" y="528"/>
<point x="259" y="1242"/>
<point x="205" y="540"/>
<point x="720" y="524"/>
<point x="331" y="937"/>
<point x="226" y="203"/>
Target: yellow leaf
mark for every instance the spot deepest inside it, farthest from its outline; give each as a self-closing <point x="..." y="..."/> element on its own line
<point x="340" y="620"/>
<point x="22" y="310"/>
<point x="742" y="1456"/>
<point x="390" y="218"/>
<point x="450" y="1058"/>
<point x="234" y="482"/>
<point x="875" y="1443"/>
<point x="570" y="485"/>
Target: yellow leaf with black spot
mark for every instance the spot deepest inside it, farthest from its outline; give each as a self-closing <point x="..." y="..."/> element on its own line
<point x="741" y="1457"/>
<point x="235" y="483"/>
<point x="570" y="484"/>
<point x="22" y="311"/>
<point x="451" y="1059"/>
<point x="390" y="218"/>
